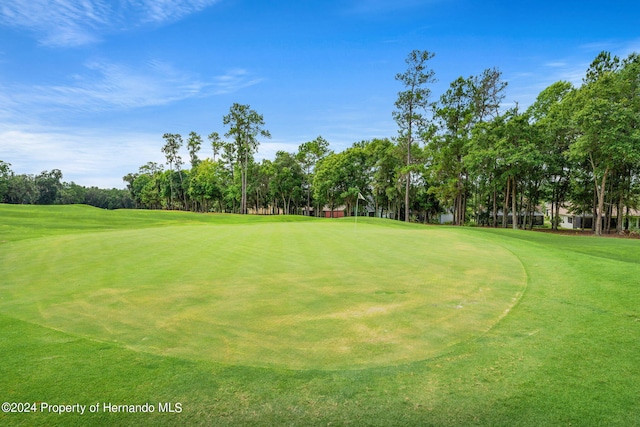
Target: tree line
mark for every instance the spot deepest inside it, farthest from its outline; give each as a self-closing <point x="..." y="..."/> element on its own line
<point x="302" y="182"/>
<point x="47" y="188"/>
<point x="463" y="153"/>
<point x="574" y="147"/>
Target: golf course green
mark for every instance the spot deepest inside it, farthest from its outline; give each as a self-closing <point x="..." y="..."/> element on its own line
<point x="248" y="320"/>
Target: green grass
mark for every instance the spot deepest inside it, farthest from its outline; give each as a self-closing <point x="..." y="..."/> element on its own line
<point x="318" y="295"/>
<point x="18" y="222"/>
<point x="255" y="321"/>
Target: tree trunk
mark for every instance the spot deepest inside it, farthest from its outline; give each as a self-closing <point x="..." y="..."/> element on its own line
<point x="495" y="207"/>
<point x="513" y="204"/>
<point x="520" y="204"/>
<point x="619" y="224"/>
<point x="600" y="192"/>
<point x="554" y="222"/>
<point x="609" y="206"/>
<point x="505" y="221"/>
<point x="626" y="220"/>
<point x="184" y="194"/>
<point x="463" y="213"/>
<point x="243" y="178"/>
<point x="408" y="184"/>
<point x="594" y="207"/>
<point x="171" y="185"/>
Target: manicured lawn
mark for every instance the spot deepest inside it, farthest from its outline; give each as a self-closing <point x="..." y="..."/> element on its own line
<point x="256" y="321"/>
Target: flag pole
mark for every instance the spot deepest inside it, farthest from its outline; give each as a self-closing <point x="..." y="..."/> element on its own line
<point x="360" y="196"/>
<point x="357" y="200"/>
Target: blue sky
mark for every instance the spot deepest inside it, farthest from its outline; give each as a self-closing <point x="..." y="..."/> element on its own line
<point x="90" y="86"/>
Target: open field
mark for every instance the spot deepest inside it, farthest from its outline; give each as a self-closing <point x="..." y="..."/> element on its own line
<point x="289" y="320"/>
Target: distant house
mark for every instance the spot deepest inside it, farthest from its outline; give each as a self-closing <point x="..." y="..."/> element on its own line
<point x="364" y="209"/>
<point x="486" y="219"/>
<point x="630" y="221"/>
<point x="536" y="220"/>
<point x="446" y="217"/>
<point x="337" y="212"/>
<point x="569" y="220"/>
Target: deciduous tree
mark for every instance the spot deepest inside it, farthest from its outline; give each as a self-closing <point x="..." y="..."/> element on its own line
<point x="5" y="174"/>
<point x="609" y="136"/>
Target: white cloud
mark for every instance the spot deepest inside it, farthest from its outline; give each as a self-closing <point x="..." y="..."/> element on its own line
<point x="90" y="158"/>
<point x="94" y="157"/>
<point x="80" y="22"/>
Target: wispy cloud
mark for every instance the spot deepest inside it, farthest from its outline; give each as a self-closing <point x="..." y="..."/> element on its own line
<point x="109" y="86"/>
<point x="159" y="11"/>
<point x="556" y="64"/>
<point x="91" y="155"/>
<point x="233" y="81"/>
<point x="80" y="22"/>
<point x="524" y="87"/>
<point x="620" y="48"/>
<point x="597" y="46"/>
<point x="571" y="68"/>
<point x="373" y="7"/>
<point x="630" y="47"/>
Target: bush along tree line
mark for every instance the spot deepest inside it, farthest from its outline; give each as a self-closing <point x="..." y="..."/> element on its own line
<point x="463" y="153"/>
